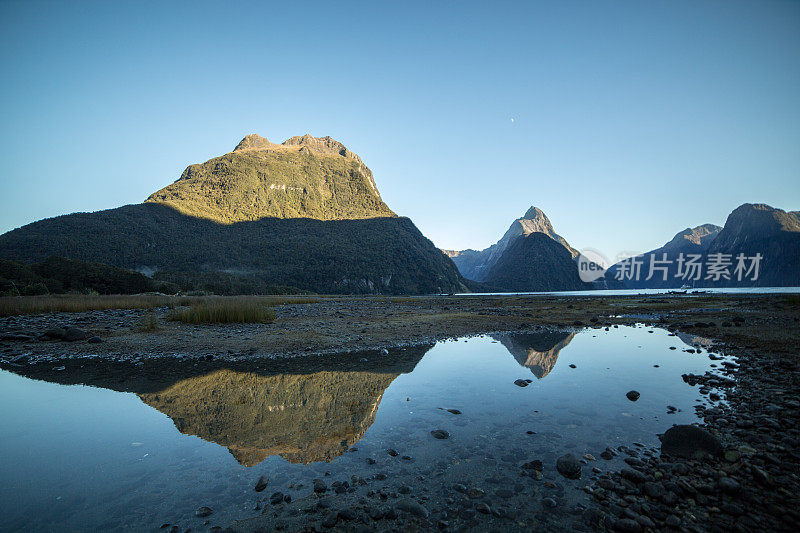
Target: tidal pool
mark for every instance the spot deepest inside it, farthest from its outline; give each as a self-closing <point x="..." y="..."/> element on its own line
<point x="141" y="448"/>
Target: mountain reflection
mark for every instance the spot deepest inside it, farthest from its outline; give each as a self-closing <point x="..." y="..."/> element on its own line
<point x="303" y="418"/>
<point x="536" y="351"/>
<point x="304" y="409"/>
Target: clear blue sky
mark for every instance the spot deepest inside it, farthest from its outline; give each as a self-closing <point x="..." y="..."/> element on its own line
<point x="632" y="120"/>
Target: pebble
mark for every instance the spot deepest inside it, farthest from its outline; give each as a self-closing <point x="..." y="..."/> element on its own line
<point x="568" y="466"/>
<point x="632" y="395"/>
<point x="440" y="434"/>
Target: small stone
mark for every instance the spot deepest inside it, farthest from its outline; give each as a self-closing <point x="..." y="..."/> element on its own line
<point x="521" y="383"/>
<point x="568" y="466"/>
<point x="729" y="485"/>
<point x="331" y="519"/>
<point x="536" y="464"/>
<point x="673" y="521"/>
<point x="95" y="340"/>
<point x="732" y="456"/>
<point x="319" y="486"/>
<point x="412" y="507"/>
<point x="276" y="498"/>
<point x="203" y="512"/>
<point x="627" y="525"/>
<point x="392" y="452"/>
<point x="454" y="411"/>
<point x="440" y="434"/>
<point x="632" y="395"/>
<point x="261" y="484"/>
<point x="483" y="508"/>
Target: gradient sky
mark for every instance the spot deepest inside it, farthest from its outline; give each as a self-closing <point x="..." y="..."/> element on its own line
<point x="632" y="120"/>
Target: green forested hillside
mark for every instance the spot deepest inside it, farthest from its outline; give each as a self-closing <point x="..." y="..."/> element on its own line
<point x="376" y="255"/>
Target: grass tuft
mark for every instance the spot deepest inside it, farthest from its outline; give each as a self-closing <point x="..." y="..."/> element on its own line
<point x="238" y="310"/>
<point x="147" y="322"/>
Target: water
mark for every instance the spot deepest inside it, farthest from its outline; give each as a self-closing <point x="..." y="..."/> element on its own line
<point x="646" y="292"/>
<point x="80" y="457"/>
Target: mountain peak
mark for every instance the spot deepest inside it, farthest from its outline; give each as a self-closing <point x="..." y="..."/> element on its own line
<point x="301" y="143"/>
<point x="253" y="141"/>
<point x="303" y="177"/>
<point x="534" y="213"/>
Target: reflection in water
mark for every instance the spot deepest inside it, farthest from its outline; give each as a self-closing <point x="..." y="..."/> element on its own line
<point x="303" y="418"/>
<point x="537" y="351"/>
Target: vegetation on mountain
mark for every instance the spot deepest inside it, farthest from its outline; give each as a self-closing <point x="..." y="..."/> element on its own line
<point x="304" y="177"/>
<point x="304" y="215"/>
<point x="536" y="262"/>
<point x="57" y="275"/>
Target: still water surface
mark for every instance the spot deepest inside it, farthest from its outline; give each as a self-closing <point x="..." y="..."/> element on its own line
<point x="77" y="457"/>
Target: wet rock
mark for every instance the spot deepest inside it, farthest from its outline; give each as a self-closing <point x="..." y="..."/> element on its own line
<point x="521" y="383"/>
<point x="632" y="395"/>
<point x="536" y="464"/>
<point x="458" y="487"/>
<point x="633" y="476"/>
<point x="370" y="461"/>
<point x="319" y="486"/>
<point x="673" y="521"/>
<point x="94" y="340"/>
<point x="549" y="502"/>
<point x="627" y="525"/>
<point x="654" y="490"/>
<point x="483" y="508"/>
<point x="347" y="514"/>
<point x="392" y="452"/>
<point x="54" y="334"/>
<point x="440" y="434"/>
<point x="568" y="466"/>
<point x="413" y="508"/>
<point x="204" y="511"/>
<point x="276" y="498"/>
<point x="689" y="441"/>
<point x="454" y="411"/>
<point x="261" y="484"/>
<point x="74" y="334"/>
<point x="729" y="485"/>
<point x="404" y="489"/>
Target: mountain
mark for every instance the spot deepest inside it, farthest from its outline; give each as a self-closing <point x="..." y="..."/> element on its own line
<point x="536" y="262"/>
<point x="749" y="230"/>
<point x="689" y="241"/>
<point x="476" y="265"/>
<point x="305" y="214"/>
<point x="304" y="177"/>
<point x="536" y="351"/>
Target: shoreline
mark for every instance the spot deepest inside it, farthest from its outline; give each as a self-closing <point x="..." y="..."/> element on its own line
<point x="753" y="485"/>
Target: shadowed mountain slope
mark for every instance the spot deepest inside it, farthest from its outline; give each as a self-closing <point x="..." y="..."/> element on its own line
<point x="304" y="214"/>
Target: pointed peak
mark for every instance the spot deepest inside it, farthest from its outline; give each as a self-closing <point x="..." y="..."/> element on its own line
<point x="252" y="142"/>
<point x="534" y="213"/>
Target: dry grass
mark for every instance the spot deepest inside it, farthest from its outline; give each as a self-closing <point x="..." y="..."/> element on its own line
<point x="147" y="322"/>
<point x="221" y="310"/>
<point x="78" y="303"/>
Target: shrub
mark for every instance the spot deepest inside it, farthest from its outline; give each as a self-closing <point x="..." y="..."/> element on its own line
<point x="225" y="311"/>
<point x="35" y="289"/>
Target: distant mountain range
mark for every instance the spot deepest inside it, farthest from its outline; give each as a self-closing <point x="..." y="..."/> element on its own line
<point x="305" y="213"/>
<point x="759" y="246"/>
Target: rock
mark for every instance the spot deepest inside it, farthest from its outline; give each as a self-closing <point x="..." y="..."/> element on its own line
<point x="654" y="490"/>
<point x="483" y="508"/>
<point x="276" y="498"/>
<point x="319" y="486"/>
<point x="633" y="475"/>
<point x="549" y="502"/>
<point x="729" y="485"/>
<point x="732" y="456"/>
<point x="632" y="396"/>
<point x="392" y="452"/>
<point x="331" y="519"/>
<point x="627" y="525"/>
<point x="673" y="521"/>
<point x="440" y="434"/>
<point x="347" y="514"/>
<point x="454" y="411"/>
<point x="54" y="334"/>
<point x="412" y="507"/>
<point x="94" y="340"/>
<point x="521" y="383"/>
<point x="689" y="441"/>
<point x="404" y="489"/>
<point x="536" y="464"/>
<point x="568" y="466"/>
<point x="458" y="487"/>
<point x="204" y="511"/>
<point x="261" y="484"/>
<point x="74" y="334"/>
